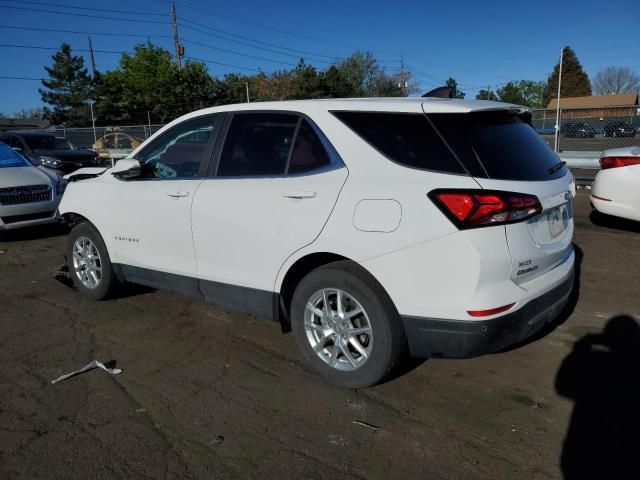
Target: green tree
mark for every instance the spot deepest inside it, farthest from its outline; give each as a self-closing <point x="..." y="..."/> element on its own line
<point x="575" y="81"/>
<point x="486" y="95"/>
<point x="67" y="90"/>
<point x="455" y="92"/>
<point x="148" y="85"/>
<point x="38" y="112"/>
<point x="510" y="93"/>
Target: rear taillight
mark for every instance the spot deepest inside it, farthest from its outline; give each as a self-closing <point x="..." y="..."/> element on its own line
<point x="615" y="162"/>
<point x="484" y="208"/>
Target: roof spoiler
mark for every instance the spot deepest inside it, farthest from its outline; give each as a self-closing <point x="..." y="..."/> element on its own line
<point x="440" y="92"/>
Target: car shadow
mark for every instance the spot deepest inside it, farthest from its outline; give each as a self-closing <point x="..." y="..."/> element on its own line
<point x="566" y="312"/>
<point x="34" y="233"/>
<point x="601" y="376"/>
<point x="608" y="221"/>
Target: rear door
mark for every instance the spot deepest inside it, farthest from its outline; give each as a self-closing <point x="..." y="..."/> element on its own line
<point x="275" y="185"/>
<point x="508" y="155"/>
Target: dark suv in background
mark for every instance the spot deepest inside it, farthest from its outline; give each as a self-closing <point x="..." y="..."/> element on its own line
<point x="577" y="130"/>
<point x="56" y="153"/>
<point x="619" y="129"/>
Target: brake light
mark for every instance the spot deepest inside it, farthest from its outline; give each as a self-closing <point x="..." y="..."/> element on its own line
<point x="615" y="162"/>
<point x="483" y="208"/>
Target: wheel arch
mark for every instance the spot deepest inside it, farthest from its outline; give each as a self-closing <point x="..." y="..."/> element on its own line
<point x="296" y="272"/>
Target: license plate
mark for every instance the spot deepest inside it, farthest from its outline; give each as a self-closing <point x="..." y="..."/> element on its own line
<point x="556" y="221"/>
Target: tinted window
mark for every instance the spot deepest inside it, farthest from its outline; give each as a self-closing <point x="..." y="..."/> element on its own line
<point x="257" y="144"/>
<point x="178" y="152"/>
<point x="308" y="152"/>
<point x="504" y="144"/>
<point x="63" y="144"/>
<point x="9" y="158"/>
<point x="408" y="139"/>
<point x="40" y="142"/>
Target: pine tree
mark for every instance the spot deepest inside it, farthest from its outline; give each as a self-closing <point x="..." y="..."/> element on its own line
<point x="456" y="93"/>
<point x="67" y="90"/>
<point x="575" y="81"/>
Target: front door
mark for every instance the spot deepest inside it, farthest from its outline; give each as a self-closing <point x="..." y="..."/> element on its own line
<point x="154" y="233"/>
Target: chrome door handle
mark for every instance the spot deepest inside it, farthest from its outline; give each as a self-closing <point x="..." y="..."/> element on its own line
<point x="178" y="194"/>
<point x="299" y="194"/>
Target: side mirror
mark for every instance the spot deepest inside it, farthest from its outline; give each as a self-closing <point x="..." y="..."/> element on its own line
<point x="126" y="169"/>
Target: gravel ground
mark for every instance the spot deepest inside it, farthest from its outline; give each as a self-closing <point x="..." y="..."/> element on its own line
<point x="207" y="393"/>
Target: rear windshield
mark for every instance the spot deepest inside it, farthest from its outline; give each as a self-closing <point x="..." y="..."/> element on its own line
<point x="499" y="145"/>
<point x="9" y="158"/>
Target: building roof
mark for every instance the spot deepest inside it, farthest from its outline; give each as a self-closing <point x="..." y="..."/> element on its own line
<point x="596" y="101"/>
<point x="23" y="124"/>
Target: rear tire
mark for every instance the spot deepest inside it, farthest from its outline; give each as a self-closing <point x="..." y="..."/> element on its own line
<point x="359" y="339"/>
<point x="89" y="263"/>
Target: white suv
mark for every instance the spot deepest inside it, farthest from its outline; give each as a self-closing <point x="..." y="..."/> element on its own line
<point x="372" y="227"/>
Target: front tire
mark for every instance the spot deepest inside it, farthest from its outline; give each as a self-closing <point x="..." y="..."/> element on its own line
<point x="89" y="263"/>
<point x="346" y="326"/>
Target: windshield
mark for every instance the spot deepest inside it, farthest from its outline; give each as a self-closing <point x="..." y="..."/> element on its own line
<point x="10" y="159"/>
<point x="61" y="143"/>
<point x="46" y="142"/>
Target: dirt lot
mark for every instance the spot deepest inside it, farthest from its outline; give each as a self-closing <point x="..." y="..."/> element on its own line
<point x="207" y="393"/>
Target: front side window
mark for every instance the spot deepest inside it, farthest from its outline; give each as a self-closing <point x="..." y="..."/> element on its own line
<point x="257" y="144"/>
<point x="179" y="152"/>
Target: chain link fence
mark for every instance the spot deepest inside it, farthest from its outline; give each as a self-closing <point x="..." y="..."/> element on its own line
<point x="582" y="134"/>
<point x="589" y="129"/>
<point x="84" y="137"/>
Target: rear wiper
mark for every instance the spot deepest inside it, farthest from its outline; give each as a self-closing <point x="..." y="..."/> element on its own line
<point x="557" y="167"/>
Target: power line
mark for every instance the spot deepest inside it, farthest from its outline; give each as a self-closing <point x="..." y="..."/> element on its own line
<point x="10" y="77"/>
<point x="102" y="17"/>
<point x="266" y="27"/>
<point x="249" y="45"/>
<point x="21" y="2"/>
<point x="273" y="45"/>
<point x="38" y="47"/>
<point x="223" y="64"/>
<point x="110" y="34"/>
<point x="237" y="53"/>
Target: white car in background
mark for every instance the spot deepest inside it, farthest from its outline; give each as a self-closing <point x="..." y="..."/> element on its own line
<point x="28" y="195"/>
<point x="616" y="188"/>
<point x="371" y="227"/>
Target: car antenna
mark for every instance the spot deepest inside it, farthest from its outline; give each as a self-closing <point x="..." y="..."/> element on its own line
<point x="440" y="92"/>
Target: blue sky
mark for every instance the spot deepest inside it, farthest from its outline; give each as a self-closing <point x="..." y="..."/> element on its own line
<point x="478" y="43"/>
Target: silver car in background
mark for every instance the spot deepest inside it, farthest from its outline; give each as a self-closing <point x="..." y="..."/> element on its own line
<point x="28" y="195"/>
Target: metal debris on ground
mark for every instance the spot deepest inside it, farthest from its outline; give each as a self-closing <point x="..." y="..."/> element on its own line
<point x="87" y="367"/>
<point x="366" y="425"/>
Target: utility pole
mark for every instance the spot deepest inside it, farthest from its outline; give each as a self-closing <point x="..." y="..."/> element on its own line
<point x="246" y="84"/>
<point x="176" y="38"/>
<point x="93" y="77"/>
<point x="555" y="148"/>
<point x="488" y="91"/>
<point x="403" y="77"/>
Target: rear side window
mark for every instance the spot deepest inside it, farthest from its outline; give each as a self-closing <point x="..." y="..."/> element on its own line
<point x="503" y="144"/>
<point x="308" y="152"/>
<point x="405" y="138"/>
<point x="257" y="144"/>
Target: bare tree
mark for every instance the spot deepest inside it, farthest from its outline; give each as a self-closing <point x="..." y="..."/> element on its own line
<point x="614" y="80"/>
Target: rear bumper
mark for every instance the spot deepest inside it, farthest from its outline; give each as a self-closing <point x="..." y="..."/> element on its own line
<point x="437" y="337"/>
